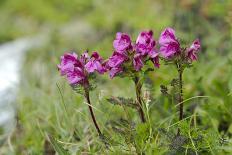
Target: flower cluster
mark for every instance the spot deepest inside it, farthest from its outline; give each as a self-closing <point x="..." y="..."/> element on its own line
<point x="77" y="69"/>
<point x="127" y="56"/>
<point x="182" y="57"/>
<point x="132" y="57"/>
<point x="128" y="59"/>
<point x="170" y="46"/>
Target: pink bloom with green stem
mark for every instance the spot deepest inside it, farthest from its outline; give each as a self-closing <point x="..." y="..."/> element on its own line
<point x="182" y="57"/>
<point x="128" y="59"/>
<point x="78" y="70"/>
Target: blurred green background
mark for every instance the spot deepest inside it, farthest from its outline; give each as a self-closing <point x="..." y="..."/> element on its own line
<point x="91" y="24"/>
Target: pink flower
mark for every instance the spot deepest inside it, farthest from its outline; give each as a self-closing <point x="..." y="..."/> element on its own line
<point x="95" y="64"/>
<point x="122" y="42"/>
<point x="154" y="56"/>
<point x="116" y="59"/>
<point x="132" y="58"/>
<point x="145" y="46"/>
<point x="138" y="62"/>
<point x="169" y="45"/>
<point x="77" y="76"/>
<point x="77" y="69"/>
<point x="84" y="58"/>
<point x="114" y="63"/>
<point x="145" y="43"/>
<point x="155" y="61"/>
<point x="68" y="61"/>
<point x="194" y="49"/>
<point x="114" y="71"/>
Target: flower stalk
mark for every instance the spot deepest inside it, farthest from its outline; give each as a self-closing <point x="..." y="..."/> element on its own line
<point x="138" y="87"/>
<point x="181" y="106"/>
<point x="180" y="97"/>
<point x="91" y="111"/>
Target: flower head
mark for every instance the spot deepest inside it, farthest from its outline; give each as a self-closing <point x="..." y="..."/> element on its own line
<point x="122" y="42"/>
<point x="169" y="45"/>
<point x="145" y="43"/>
<point x="130" y="59"/>
<point x="77" y="68"/>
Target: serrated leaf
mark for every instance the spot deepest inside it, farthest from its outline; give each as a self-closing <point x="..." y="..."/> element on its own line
<point x="178" y="142"/>
<point x="78" y="89"/>
<point x="174" y="82"/>
<point x="123" y="102"/>
<point x="164" y="90"/>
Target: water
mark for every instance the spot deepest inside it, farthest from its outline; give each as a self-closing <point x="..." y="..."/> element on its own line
<point x="11" y="58"/>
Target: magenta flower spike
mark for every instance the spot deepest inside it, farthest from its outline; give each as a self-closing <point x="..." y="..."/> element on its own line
<point x="77" y="71"/>
<point x="129" y="59"/>
<point x="181" y="57"/>
<point x="137" y="54"/>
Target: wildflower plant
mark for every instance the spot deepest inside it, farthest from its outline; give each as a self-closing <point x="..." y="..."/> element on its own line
<point x="79" y="72"/>
<point x="129" y="60"/>
<point x="182" y="57"/>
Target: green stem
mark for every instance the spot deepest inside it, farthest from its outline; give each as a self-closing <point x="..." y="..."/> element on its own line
<point x="181" y="104"/>
<point x="138" y="87"/>
<point x="180" y="98"/>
